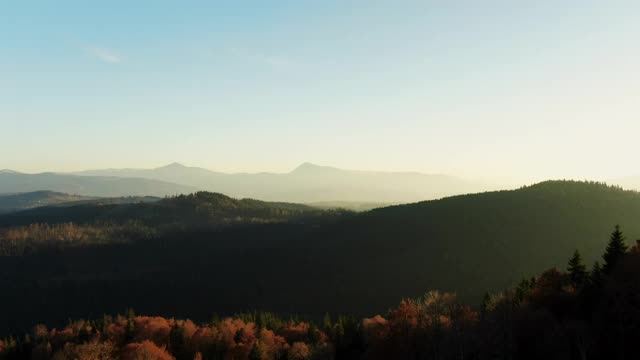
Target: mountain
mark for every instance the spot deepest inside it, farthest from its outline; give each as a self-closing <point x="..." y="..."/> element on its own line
<point x="175" y="173"/>
<point x="309" y="183"/>
<point x="24" y="201"/>
<point x="14" y="182"/>
<point x="468" y="244"/>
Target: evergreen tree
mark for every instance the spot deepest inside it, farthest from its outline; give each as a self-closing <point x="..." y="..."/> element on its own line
<point x="577" y="270"/>
<point x="593" y="285"/>
<point x="596" y="276"/>
<point x="615" y="250"/>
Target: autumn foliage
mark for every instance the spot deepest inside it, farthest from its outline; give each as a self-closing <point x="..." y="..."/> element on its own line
<point x="23" y="240"/>
<point x="555" y="315"/>
<point x="143" y="337"/>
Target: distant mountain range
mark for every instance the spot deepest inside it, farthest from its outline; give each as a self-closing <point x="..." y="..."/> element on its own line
<point x="320" y="186"/>
<point x="12" y="182"/>
<point x="308" y="183"/>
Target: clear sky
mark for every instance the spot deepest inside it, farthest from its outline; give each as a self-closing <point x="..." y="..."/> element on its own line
<point x="519" y="89"/>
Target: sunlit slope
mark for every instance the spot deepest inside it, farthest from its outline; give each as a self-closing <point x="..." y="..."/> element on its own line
<point x="24" y="201"/>
<point x="198" y="209"/>
<point x="479" y="242"/>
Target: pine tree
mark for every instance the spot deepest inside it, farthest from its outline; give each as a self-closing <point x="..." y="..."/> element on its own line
<point x="615" y="250"/>
<point x="577" y="270"/>
<point x="593" y="286"/>
<point x="596" y="276"/>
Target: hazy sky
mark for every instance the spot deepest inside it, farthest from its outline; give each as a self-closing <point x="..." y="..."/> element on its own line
<point x="520" y="89"/>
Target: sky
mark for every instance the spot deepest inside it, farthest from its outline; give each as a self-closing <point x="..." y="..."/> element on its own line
<point x="485" y="89"/>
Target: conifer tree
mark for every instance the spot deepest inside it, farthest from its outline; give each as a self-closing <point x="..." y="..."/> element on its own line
<point x="615" y="250"/>
<point x="596" y="276"/>
<point x="593" y="286"/>
<point x="577" y="270"/>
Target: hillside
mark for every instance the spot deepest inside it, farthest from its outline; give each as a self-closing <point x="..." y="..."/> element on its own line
<point x="481" y="241"/>
<point x="543" y="317"/>
<point x="14" y="182"/>
<point x="348" y="205"/>
<point x="359" y="263"/>
<point x="24" y="201"/>
<point x="30" y="200"/>
<point x="309" y="183"/>
<point x="198" y="209"/>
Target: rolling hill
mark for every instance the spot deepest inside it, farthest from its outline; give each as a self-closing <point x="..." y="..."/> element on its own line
<point x="103" y="186"/>
<point x="472" y="243"/>
<point x="348" y="205"/>
<point x="24" y="201"/>
<point x="193" y="210"/>
<point x="309" y="183"/>
<point x="467" y="244"/>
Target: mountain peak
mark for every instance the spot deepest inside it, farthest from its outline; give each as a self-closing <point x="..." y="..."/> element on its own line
<point x="8" y="171"/>
<point x="173" y="165"/>
<point x="308" y="167"/>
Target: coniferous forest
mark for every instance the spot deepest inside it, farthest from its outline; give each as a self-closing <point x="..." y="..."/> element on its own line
<point x="578" y="312"/>
<point x="537" y="272"/>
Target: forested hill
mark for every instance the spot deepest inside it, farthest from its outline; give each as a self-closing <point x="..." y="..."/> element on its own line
<point x="480" y="241"/>
<point x="24" y="201"/>
<point x="30" y="200"/>
<point x="201" y="208"/>
<point x="357" y="263"/>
